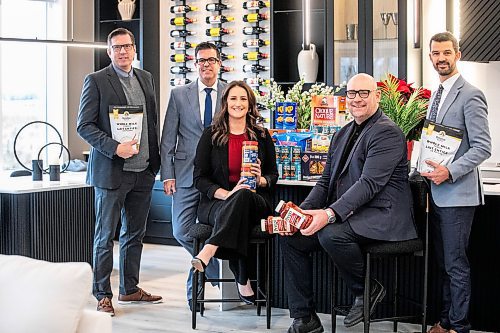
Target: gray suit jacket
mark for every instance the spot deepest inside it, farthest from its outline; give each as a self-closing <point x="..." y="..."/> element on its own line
<point x="371" y="192"/>
<point x="100" y="90"/>
<point x="182" y="130"/>
<point x="464" y="108"/>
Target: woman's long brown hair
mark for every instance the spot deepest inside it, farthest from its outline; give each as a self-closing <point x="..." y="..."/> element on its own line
<point x="220" y="127"/>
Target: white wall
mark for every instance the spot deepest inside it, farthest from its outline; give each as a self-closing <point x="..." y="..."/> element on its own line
<point x="482" y="75"/>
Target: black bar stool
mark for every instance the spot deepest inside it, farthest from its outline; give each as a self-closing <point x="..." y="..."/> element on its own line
<point x="200" y="233"/>
<point x="396" y="250"/>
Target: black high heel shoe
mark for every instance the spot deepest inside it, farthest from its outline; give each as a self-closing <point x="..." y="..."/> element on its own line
<point x="249" y="300"/>
<point x="198" y="264"/>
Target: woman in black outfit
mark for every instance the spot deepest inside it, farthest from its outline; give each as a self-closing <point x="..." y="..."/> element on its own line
<point x="225" y="202"/>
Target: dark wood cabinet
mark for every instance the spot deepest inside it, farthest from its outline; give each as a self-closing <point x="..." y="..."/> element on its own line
<point x="145" y="25"/>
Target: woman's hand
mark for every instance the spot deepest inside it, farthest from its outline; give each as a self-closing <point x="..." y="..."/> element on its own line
<point x="238" y="187"/>
<point x="256" y="171"/>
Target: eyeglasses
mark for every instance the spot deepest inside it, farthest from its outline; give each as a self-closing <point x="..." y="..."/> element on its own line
<point x="118" y="48"/>
<point x="362" y="93"/>
<point x="203" y="61"/>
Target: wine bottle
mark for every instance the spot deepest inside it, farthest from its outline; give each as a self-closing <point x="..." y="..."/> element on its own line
<point x="256" y="81"/>
<point x="255" y="30"/>
<point x="225" y="69"/>
<point x="213" y="7"/>
<point x="216" y="32"/>
<point x="220" y="43"/>
<point x="182" y="9"/>
<point x="255" y="17"/>
<point x="179" y="81"/>
<point x="182" y="33"/>
<point x="254" y="5"/>
<point x="255" y="55"/>
<point x="255" y="42"/>
<point x="182" y="45"/>
<point x="181" y="20"/>
<point x="218" y="19"/>
<point x="181" y="57"/>
<point x="224" y="56"/>
<point x="180" y="70"/>
<point x="254" y="68"/>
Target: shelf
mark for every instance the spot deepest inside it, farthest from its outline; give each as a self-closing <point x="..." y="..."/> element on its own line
<point x="375" y="40"/>
<point x="120" y="21"/>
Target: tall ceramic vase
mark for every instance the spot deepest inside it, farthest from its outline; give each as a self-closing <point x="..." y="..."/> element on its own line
<point x="126" y="9"/>
<point x="308" y="62"/>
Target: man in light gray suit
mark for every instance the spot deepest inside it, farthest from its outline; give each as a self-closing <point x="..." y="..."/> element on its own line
<point x="456" y="188"/>
<point x="190" y="110"/>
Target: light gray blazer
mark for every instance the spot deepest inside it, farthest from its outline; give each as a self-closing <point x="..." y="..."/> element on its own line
<point x="464" y="108"/>
<point x="182" y="130"/>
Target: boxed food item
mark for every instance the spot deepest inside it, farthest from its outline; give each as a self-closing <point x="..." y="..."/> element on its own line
<point x="312" y="165"/>
<point x="290" y="116"/>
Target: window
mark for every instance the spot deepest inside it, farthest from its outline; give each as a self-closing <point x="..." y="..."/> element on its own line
<point x="32" y="80"/>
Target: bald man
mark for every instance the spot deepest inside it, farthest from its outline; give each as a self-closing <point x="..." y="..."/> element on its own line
<point x="362" y="197"/>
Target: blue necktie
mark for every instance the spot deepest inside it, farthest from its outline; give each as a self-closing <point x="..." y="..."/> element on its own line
<point x="207" y="117"/>
<point x="435" y="104"/>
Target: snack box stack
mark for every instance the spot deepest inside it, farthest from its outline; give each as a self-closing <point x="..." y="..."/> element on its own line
<point x="288" y="161"/>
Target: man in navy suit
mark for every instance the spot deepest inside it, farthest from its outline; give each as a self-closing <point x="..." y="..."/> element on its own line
<point x="362" y="197"/>
<point x="190" y="110"/>
<point x="456" y="188"/>
<point x="122" y="175"/>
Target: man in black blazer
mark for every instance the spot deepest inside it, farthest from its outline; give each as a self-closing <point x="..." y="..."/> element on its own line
<point x="122" y="175"/>
<point x="362" y="197"/>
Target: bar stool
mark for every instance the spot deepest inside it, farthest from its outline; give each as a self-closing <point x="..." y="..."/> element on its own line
<point x="200" y="233"/>
<point x="396" y="250"/>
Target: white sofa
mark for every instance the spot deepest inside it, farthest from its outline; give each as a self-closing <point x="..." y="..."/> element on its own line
<point x="40" y="296"/>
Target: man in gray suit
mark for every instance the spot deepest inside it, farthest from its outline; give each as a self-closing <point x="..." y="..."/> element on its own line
<point x="456" y="188"/>
<point x="362" y="197"/>
<point x="122" y="175"/>
<point x="190" y="110"/>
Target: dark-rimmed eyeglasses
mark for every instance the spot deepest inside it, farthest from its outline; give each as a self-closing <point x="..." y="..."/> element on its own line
<point x="364" y="93"/>
<point x="118" y="48"/>
<point x="203" y="61"/>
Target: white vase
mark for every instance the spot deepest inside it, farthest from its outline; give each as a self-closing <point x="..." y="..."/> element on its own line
<point x="308" y="62"/>
<point x="126" y="9"/>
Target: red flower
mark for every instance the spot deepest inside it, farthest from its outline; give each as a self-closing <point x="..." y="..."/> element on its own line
<point x="425" y="93"/>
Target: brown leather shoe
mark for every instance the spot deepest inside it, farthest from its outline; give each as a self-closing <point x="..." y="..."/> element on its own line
<point x="437" y="328"/>
<point x="105" y="305"/>
<point x="140" y="296"/>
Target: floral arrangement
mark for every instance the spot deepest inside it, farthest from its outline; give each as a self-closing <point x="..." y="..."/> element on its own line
<point x="404" y="104"/>
<point x="274" y="94"/>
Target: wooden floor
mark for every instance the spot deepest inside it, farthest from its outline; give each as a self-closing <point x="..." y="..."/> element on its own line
<point x="163" y="272"/>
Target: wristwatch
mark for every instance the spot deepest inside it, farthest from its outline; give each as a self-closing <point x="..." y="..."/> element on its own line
<point x="331" y="215"/>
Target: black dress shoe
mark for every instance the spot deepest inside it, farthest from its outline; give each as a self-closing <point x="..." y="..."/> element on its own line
<point x="309" y="324"/>
<point x="355" y="315"/>
<point x="249" y="300"/>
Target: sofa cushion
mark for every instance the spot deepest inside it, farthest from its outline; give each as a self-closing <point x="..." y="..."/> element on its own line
<point x="40" y="296"/>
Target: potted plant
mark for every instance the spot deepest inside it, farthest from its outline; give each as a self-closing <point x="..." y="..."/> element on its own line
<point x="405" y="105"/>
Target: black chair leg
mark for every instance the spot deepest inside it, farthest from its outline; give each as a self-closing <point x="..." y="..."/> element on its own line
<point x="257" y="289"/>
<point x="333" y="301"/>
<point x="268" y="283"/>
<point x="194" y="295"/>
<point x="396" y="291"/>
<point x="366" y="296"/>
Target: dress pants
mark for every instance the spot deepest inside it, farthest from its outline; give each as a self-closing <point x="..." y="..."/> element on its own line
<point x="232" y="220"/>
<point x="130" y="203"/>
<point x="451" y="228"/>
<point x="344" y="248"/>
<point x="184" y="211"/>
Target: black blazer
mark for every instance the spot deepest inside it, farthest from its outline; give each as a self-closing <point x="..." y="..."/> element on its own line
<point x="100" y="90"/>
<point x="371" y="192"/>
<point x="211" y="171"/>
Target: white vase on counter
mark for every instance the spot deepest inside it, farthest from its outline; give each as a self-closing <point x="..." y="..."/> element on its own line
<point x="308" y="62"/>
<point x="126" y="9"/>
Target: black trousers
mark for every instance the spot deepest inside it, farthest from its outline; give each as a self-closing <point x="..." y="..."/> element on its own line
<point x="232" y="220"/>
<point x="343" y="247"/>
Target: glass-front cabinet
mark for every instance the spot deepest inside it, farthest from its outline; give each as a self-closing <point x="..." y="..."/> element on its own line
<point x="368" y="36"/>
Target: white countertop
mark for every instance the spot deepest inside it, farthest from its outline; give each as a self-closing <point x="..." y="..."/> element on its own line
<point x="20" y="185"/>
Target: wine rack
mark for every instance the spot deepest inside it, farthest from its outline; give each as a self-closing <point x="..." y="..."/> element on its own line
<point x="180" y="57"/>
<point x="216" y="31"/>
<point x="253" y="43"/>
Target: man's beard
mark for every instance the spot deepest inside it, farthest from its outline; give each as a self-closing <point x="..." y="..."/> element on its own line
<point x="444" y="72"/>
